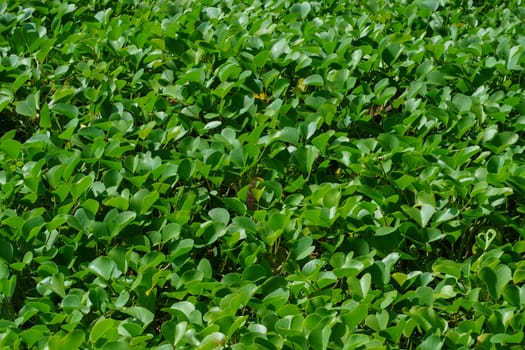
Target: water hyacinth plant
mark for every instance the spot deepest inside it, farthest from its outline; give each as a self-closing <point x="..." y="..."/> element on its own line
<point x="264" y="174"/>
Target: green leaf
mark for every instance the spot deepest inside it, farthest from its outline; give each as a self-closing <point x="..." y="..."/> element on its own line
<point x="389" y="142"/>
<point x="505" y="338"/>
<point x="29" y="107"/>
<point x="34" y="334"/>
<point x="117" y="345"/>
<point x="378" y="321"/>
<point x="69" y="129"/>
<point x="431" y="342"/>
<point x="11" y="148"/>
<point x="280" y="47"/>
<point x="72" y="340"/>
<point x="301" y="8"/>
<point x="182" y="247"/>
<point x="305" y="157"/>
<point x="425" y="295"/>
<point x="314" y="80"/>
<point x="503" y="140"/>
<point x="63" y="92"/>
<point x="182" y="308"/>
<point x="197" y="75"/>
<point x="463" y="103"/>
<point x="426" y="213"/>
<point x="142" y="314"/>
<point x="45" y="118"/>
<point x="6" y="97"/>
<point x="496" y="279"/>
<point x="384" y="231"/>
<point x="101" y="328"/>
<point x="302" y="248"/>
<point x="116" y="221"/>
<point x="185" y="169"/>
<point x="81" y="186"/>
<point x="519" y="273"/>
<point x="54" y="283"/>
<point x="261" y="58"/>
<point x="446" y="215"/>
<point x="66" y="109"/>
<point x="365" y="283"/>
<point x="320" y="336"/>
<point x="171" y="232"/>
<point x="142" y="201"/>
<point x="386" y="95"/>
<point x="421" y="216"/>
<point x="6" y="250"/>
<point x="447" y="267"/>
<point x="219" y="215"/>
<point x="391" y="53"/>
<point x="104" y="267"/>
<point x="290" y="325"/>
<point x="289" y="135"/>
<point x="211" y="341"/>
<point x="118" y="202"/>
<point x="273" y="108"/>
<point x="229" y="71"/>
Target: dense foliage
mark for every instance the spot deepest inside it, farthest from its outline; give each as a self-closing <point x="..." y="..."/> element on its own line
<point x="262" y="174"/>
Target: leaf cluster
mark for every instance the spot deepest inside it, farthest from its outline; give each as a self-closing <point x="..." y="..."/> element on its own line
<point x="262" y="174"/>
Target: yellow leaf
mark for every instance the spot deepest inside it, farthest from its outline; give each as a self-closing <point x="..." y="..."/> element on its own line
<point x="300" y="85"/>
<point x="260" y="96"/>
